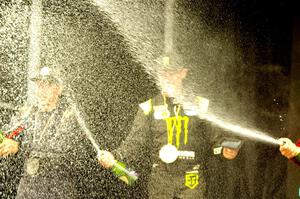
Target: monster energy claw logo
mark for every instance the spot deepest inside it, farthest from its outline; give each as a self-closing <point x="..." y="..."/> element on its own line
<point x="177" y="123"/>
<point x="191" y="180"/>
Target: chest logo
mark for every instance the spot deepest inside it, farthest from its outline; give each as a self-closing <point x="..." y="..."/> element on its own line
<point x="177" y="124"/>
<point x="161" y="112"/>
<point x="191" y="180"/>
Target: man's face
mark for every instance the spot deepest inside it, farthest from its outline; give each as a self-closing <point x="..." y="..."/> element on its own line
<point x="171" y="81"/>
<point x="48" y="95"/>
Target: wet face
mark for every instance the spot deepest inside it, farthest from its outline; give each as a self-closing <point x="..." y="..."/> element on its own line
<point x="171" y="81"/>
<point x="48" y="95"/>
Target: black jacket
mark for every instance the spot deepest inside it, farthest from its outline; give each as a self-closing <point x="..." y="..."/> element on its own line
<point x="141" y="148"/>
<point x="55" y="152"/>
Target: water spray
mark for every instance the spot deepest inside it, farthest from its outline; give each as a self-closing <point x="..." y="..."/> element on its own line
<point x="169" y="23"/>
<point x="34" y="50"/>
<point x="35" y="32"/>
<point x="119" y="169"/>
<point x="240" y="131"/>
<point x="7" y="106"/>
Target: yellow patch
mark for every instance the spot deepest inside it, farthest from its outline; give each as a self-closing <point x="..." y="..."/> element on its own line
<point x="191" y="180"/>
<point x="146" y="106"/>
<point x="161" y="112"/>
<point x="174" y="123"/>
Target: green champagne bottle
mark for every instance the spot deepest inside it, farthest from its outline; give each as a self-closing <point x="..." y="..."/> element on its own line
<point x="2" y="136"/>
<point x="124" y="173"/>
<point x="297" y="158"/>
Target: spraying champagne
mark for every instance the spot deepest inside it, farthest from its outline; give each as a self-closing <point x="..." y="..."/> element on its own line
<point x="119" y="169"/>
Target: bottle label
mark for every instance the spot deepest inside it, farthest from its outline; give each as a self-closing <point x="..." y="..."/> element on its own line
<point x="2" y="136"/>
<point x="126" y="175"/>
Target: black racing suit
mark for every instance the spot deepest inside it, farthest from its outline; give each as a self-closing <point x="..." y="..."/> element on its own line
<point x="149" y="135"/>
<point x="54" y="151"/>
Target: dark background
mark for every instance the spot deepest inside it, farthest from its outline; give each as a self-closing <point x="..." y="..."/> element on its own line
<point x="109" y="81"/>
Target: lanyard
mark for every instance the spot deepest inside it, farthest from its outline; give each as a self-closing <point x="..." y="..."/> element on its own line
<point x="177" y="123"/>
<point x="44" y="129"/>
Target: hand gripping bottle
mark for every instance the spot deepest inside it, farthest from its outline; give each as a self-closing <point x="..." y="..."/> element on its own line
<point x="121" y="171"/>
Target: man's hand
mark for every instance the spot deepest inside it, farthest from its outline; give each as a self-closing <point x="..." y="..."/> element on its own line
<point x="230" y="153"/>
<point x="8" y="146"/>
<point x="288" y="148"/>
<point x="106" y="159"/>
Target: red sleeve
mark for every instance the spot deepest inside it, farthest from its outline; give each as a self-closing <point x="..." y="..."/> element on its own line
<point x="298" y="143"/>
<point x="16" y="132"/>
<point x="296" y="159"/>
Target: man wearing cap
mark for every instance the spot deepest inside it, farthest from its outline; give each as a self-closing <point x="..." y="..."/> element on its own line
<point x="168" y="144"/>
<point x="52" y="146"/>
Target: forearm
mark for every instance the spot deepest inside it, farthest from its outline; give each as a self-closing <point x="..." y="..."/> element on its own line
<point x="132" y="146"/>
<point x="296" y="159"/>
<point x="135" y="142"/>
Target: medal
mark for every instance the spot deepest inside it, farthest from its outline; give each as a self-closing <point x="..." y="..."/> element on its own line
<point x="169" y="154"/>
<point x="32" y="166"/>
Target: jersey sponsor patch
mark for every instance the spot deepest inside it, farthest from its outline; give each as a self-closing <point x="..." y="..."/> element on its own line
<point x="146" y="106"/>
<point x="191" y="179"/>
<point x="161" y="112"/>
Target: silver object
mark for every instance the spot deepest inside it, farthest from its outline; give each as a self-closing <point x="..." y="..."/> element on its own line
<point x="32" y="166"/>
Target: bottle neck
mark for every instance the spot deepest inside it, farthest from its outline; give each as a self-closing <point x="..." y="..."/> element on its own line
<point x="297" y="158"/>
<point x="2" y="136"/>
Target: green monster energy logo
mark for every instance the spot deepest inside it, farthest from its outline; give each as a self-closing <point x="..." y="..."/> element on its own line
<point x="176" y="122"/>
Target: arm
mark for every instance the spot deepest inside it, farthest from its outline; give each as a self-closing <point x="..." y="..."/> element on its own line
<point x="135" y="150"/>
<point x="137" y="141"/>
<point x="8" y="147"/>
<point x="10" y="142"/>
<point x="133" y="146"/>
<point x="290" y="150"/>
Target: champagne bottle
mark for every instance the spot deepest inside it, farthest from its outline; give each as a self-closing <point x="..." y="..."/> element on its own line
<point x="124" y="173"/>
<point x="2" y="136"/>
<point x="13" y="134"/>
<point x="121" y="171"/>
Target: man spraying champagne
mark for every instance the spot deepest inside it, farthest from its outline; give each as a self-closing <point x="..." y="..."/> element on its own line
<point x="54" y="146"/>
